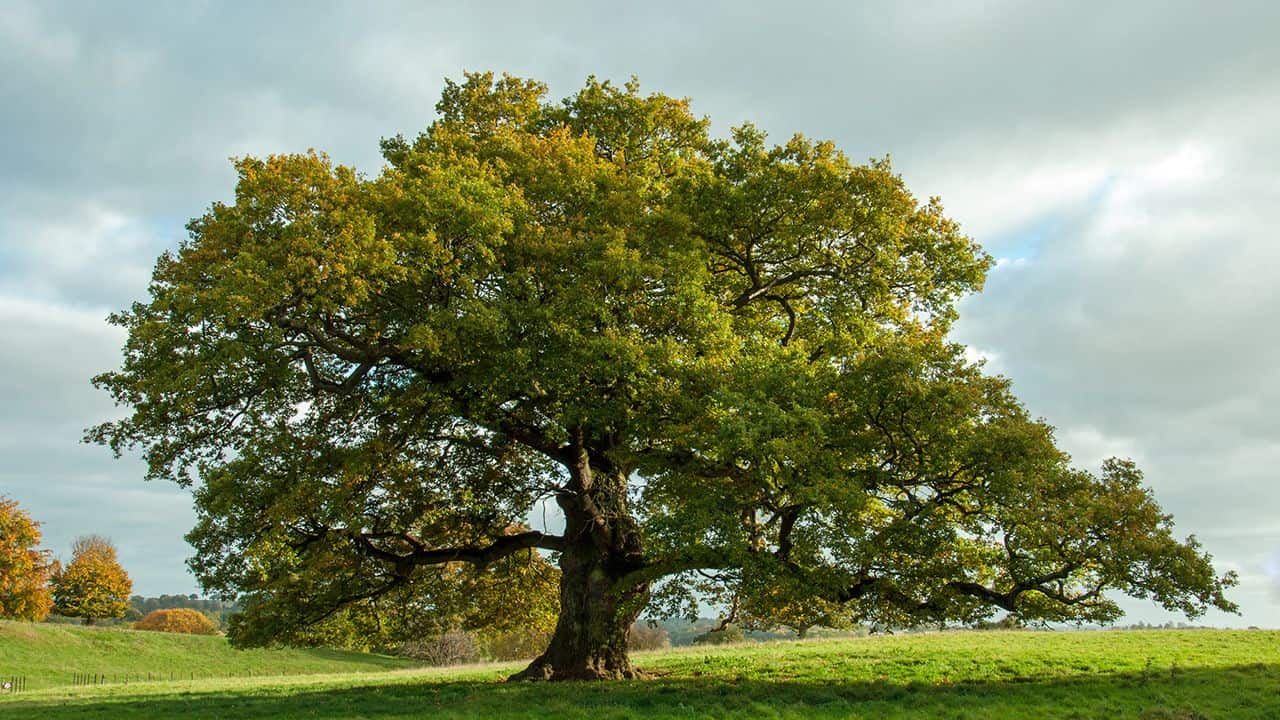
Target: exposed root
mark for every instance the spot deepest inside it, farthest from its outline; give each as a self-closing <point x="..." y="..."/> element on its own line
<point x="542" y="670"/>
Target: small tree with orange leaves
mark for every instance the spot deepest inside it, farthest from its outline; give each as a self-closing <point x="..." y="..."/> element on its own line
<point x="177" y="620"/>
<point x="92" y="585"/>
<point x="24" y="570"/>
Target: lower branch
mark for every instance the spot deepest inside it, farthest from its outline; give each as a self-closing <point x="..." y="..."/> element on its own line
<point x="478" y="556"/>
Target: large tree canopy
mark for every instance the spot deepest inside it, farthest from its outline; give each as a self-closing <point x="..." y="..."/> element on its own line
<point x="719" y="357"/>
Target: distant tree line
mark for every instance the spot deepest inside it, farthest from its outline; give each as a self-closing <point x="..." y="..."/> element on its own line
<point x="217" y="611"/>
<point x="92" y="586"/>
<point x="1140" y="625"/>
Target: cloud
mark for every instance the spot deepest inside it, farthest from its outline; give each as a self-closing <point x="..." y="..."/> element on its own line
<point x="74" y="489"/>
<point x="1119" y="160"/>
<point x="87" y="253"/>
<point x="1140" y="327"/>
<point x="1089" y="447"/>
<point x="27" y="31"/>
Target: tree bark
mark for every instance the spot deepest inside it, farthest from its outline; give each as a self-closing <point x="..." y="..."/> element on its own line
<point x="590" y="639"/>
<point x="602" y="544"/>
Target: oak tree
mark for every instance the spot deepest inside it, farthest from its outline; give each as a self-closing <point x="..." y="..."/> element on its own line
<point x="715" y="354"/>
<point x="92" y="585"/>
<point x="24" y="569"/>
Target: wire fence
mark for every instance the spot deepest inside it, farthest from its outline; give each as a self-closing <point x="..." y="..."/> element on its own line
<point x="80" y="679"/>
<point x="11" y="684"/>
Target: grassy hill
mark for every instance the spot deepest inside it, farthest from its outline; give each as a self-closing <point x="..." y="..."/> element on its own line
<point x="49" y="655"/>
<point x="1148" y="675"/>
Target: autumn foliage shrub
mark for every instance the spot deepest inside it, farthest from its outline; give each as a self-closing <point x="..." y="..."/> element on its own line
<point x="177" y="620"/>
<point x="24" y="570"/>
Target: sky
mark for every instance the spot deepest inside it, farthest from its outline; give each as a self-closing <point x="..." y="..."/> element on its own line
<point x="1117" y="158"/>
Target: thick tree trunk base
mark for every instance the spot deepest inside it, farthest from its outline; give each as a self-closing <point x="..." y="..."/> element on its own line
<point x="591" y="636"/>
<point x="597" y="607"/>
<point x="542" y="669"/>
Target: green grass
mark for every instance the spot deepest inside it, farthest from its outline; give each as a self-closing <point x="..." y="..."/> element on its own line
<point x="1159" y="675"/>
<point x="48" y="655"/>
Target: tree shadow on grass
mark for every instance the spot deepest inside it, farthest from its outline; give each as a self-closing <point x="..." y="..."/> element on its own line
<point x="1242" y="692"/>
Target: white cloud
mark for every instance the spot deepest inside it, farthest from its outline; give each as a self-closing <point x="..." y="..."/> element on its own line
<point x="989" y="360"/>
<point x="1088" y="446"/>
<point x="87" y="251"/>
<point x="1120" y="164"/>
<point x="52" y="350"/>
<point x="1007" y="192"/>
<point x="26" y="31"/>
<point x="1142" y="326"/>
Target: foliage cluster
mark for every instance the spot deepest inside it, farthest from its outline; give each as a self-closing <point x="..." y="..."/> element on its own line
<point x="25" y="570"/>
<point x="93" y="584"/>
<point x="169" y="602"/>
<point x="177" y="620"/>
<point x="515" y="643"/>
<point x="506" y="606"/>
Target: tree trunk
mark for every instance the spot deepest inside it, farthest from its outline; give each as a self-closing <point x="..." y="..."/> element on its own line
<point x="88" y="620"/>
<point x="590" y="639"/>
<point x="602" y="545"/>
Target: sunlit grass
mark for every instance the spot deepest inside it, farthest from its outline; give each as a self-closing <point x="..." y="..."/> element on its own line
<point x="1153" y="675"/>
<point x="51" y="655"/>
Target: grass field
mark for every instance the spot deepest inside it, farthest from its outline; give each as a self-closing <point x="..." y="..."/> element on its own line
<point x="1152" y="675"/>
<point x="49" y="655"/>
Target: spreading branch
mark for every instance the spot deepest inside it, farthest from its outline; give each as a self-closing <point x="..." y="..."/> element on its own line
<point x="480" y="556"/>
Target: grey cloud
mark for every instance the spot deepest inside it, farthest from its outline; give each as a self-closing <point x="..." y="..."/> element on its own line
<point x="1152" y="337"/>
<point x="142" y="82"/>
<point x="73" y="489"/>
<point x="1148" y="316"/>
